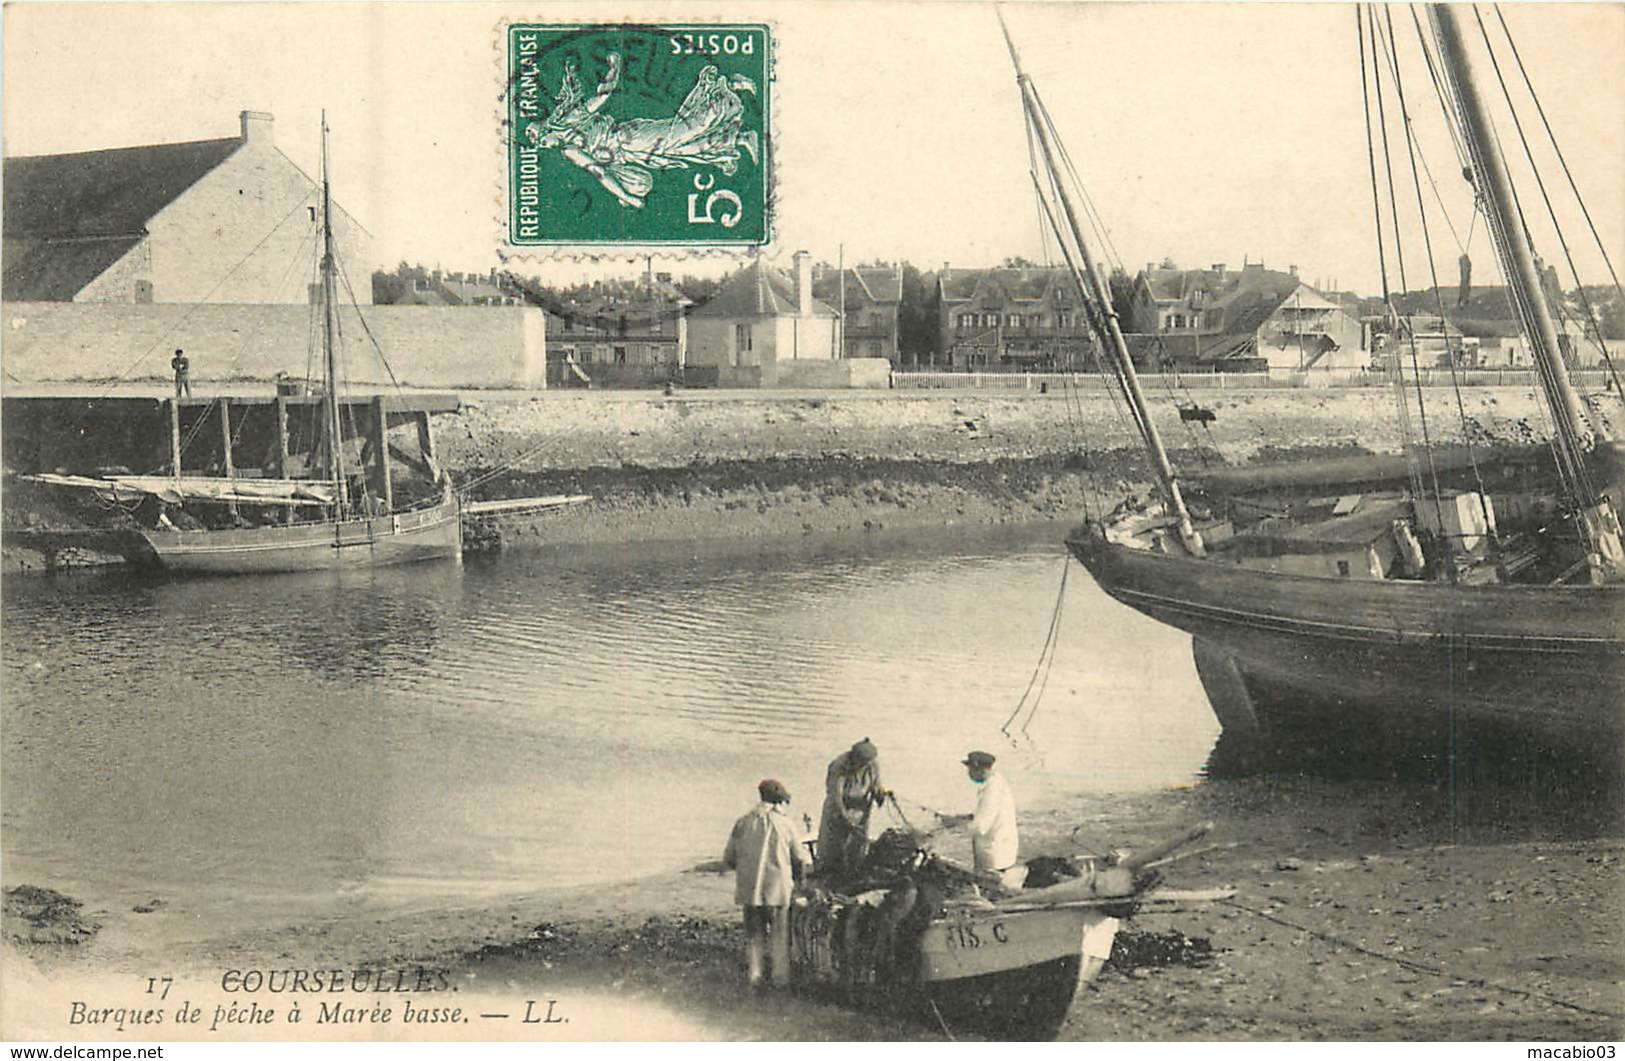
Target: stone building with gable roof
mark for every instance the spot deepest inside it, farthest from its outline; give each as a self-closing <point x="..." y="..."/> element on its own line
<point x="874" y="294"/>
<point x="1252" y="319"/>
<point x="231" y="220"/>
<point x="1016" y="317"/>
<point x="760" y="318"/>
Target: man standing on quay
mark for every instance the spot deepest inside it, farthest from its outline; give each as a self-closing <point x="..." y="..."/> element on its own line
<point x="851" y="792"/>
<point x="183" y="374"/>
<point x="767" y="852"/>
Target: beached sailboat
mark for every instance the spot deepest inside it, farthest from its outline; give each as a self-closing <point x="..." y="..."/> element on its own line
<point x="344" y="514"/>
<point x="1501" y="610"/>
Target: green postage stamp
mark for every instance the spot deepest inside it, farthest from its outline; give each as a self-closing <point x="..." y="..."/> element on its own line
<point x="638" y="135"/>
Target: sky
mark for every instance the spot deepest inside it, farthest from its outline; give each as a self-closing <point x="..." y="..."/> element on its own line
<point x="1203" y="132"/>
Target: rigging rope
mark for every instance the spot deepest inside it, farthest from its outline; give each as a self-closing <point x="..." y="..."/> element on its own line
<point x="1411" y="964"/>
<point x="1402" y="403"/>
<point x="1570" y="464"/>
<point x="167" y="332"/>
<point x="1568" y="256"/>
<point x="345" y="276"/>
<point x="1450" y="353"/>
<point x="1391" y="53"/>
<point x="1560" y="157"/>
<point x="1046" y="659"/>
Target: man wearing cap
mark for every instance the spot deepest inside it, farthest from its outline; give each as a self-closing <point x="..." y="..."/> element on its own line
<point x="993" y="835"/>
<point x="768" y="854"/>
<point x="852" y="790"/>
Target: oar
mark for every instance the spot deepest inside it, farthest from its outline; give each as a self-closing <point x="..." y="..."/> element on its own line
<point x="1141" y="859"/>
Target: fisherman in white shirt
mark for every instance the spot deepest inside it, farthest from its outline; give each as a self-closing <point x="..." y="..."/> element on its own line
<point x="994" y="840"/>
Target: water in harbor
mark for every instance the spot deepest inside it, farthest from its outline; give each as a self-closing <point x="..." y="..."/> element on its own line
<point x="270" y="746"/>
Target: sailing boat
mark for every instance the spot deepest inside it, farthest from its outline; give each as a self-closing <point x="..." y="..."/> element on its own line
<point x="1369" y="609"/>
<point x="355" y="520"/>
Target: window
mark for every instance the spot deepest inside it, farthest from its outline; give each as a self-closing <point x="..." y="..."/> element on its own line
<point x="143" y="292"/>
<point x="1343" y="569"/>
<point x="620" y="355"/>
<point x="990" y="320"/>
<point x="874" y="347"/>
<point x="1012" y="320"/>
<point x="586" y="355"/>
<point x="742" y="337"/>
<point x="1179" y="321"/>
<point x="654" y="326"/>
<point x="967" y="320"/>
<point x="1063" y="320"/>
<point x="569" y="325"/>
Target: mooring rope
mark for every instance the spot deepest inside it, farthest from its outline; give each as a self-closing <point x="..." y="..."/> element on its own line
<point x="1415" y="966"/>
<point x="1046" y="659"/>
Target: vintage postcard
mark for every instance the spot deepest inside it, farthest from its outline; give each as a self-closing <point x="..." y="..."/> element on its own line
<point x="880" y="520"/>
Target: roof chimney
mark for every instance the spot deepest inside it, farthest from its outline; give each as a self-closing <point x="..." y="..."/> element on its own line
<point x="257" y="127"/>
<point x="1292" y="270"/>
<point x="804" y="295"/>
<point x="1218" y="267"/>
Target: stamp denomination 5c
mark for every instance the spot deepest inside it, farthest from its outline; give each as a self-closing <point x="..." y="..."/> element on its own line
<point x="642" y="136"/>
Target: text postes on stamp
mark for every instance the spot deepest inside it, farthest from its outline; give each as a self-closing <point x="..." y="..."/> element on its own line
<point x="636" y="135"/>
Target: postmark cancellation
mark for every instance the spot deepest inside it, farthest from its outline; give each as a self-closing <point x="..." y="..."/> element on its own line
<point x="637" y="137"/>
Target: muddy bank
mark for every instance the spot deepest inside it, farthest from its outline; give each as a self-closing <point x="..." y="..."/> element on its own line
<point x="743" y="466"/>
<point x="584" y="430"/>
<point x="746" y="465"/>
<point x="797" y="497"/>
<point x="1431" y="906"/>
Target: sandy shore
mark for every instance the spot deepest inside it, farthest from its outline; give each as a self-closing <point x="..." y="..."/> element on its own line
<point x="1365" y="909"/>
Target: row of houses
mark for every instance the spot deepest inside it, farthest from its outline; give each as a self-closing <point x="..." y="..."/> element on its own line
<point x="188" y="223"/>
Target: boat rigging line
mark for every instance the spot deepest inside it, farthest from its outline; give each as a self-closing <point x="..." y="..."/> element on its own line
<point x="1568" y="256"/>
<point x="1569" y="418"/>
<point x="1387" y="51"/>
<point x="1046" y="660"/>
<point x="167" y="332"/>
<point x="1433" y="275"/>
<point x="1563" y="161"/>
<point x="1412" y="965"/>
<point x="1407" y="439"/>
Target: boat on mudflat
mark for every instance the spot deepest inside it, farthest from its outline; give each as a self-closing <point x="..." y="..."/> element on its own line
<point x="1333" y="602"/>
<point x="1276" y="649"/>
<point x="330" y="502"/>
<point x="978" y="956"/>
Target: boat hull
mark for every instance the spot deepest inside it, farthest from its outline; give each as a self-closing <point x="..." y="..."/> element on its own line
<point x="403" y="538"/>
<point x="1014" y="972"/>
<point x="1547" y="660"/>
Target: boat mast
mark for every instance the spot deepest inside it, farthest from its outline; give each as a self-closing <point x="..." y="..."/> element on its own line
<point x="330" y="365"/>
<point x="1577" y="433"/>
<point x="1087" y="278"/>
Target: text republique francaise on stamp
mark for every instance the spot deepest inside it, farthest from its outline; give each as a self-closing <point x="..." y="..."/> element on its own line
<point x="638" y="136"/>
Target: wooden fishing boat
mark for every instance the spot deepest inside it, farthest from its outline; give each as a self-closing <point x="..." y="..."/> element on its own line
<point x="982" y="967"/>
<point x="979" y="956"/>
<point x="1380" y="652"/>
<point x="333" y="505"/>
<point x="1450" y="608"/>
<point x="432" y="532"/>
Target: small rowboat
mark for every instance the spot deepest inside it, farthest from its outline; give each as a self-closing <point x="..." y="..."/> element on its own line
<point x="1008" y="965"/>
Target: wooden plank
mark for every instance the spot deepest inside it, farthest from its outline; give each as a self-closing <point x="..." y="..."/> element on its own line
<point x="521" y="504"/>
<point x="426" y="444"/>
<point x="175" y="437"/>
<point x="282" y="447"/>
<point x="380" y="446"/>
<point x="225" y="445"/>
